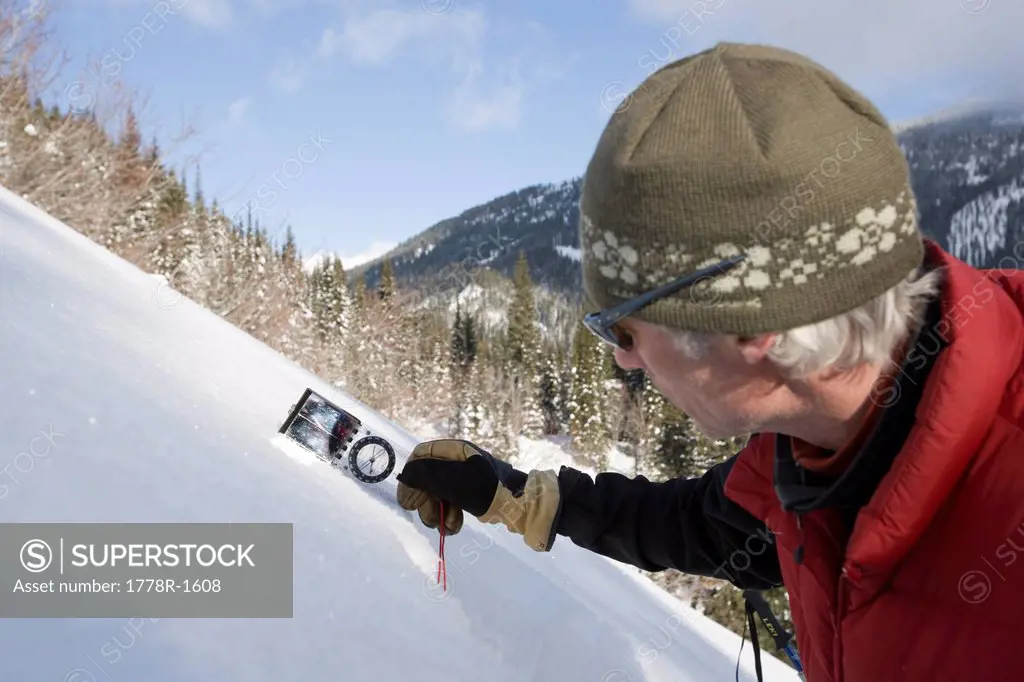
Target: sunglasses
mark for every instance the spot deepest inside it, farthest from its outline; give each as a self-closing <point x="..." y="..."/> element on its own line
<point x="605" y="323"/>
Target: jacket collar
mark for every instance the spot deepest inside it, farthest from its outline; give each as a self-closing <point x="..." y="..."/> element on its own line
<point x="895" y="402"/>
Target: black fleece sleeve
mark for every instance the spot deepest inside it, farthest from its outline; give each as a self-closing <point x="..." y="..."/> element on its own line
<point x="686" y="524"/>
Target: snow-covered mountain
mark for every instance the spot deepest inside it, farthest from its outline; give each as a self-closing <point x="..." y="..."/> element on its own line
<point x="539" y="220"/>
<point x="160" y="411"/>
<point x="967" y="168"/>
<point x="350" y="262"/>
<point x="968" y="174"/>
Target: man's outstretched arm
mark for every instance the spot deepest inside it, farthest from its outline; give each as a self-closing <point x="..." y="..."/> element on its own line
<point x="686" y="524"/>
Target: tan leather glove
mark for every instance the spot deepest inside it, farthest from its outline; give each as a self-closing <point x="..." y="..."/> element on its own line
<point x="466" y="477"/>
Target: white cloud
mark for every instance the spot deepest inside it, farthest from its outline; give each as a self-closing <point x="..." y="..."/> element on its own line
<point x="209" y="13"/>
<point x="378" y="37"/>
<point x="288" y="75"/>
<point x="658" y="10"/>
<point x="381" y="35"/>
<point x="330" y="42"/>
<point x="482" y="98"/>
<point x="479" y="104"/>
<point x="887" y="45"/>
<point x="492" y="92"/>
<point x="238" y="109"/>
<point x="490" y="70"/>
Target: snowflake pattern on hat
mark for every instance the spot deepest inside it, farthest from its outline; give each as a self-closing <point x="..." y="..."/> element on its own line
<point x="786" y="261"/>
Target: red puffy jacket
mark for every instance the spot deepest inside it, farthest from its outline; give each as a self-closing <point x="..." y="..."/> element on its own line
<point x="929" y="583"/>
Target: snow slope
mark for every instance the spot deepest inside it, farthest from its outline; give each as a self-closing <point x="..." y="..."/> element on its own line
<point x="160" y="411"/>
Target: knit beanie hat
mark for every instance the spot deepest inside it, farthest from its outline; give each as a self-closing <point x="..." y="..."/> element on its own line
<point x="753" y="149"/>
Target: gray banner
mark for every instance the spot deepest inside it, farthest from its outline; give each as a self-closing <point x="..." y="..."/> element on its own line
<point x="146" y="570"/>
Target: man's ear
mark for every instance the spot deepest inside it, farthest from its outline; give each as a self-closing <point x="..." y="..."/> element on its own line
<point x="754" y="349"/>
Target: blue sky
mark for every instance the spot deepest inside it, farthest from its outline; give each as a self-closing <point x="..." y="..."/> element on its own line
<point x="363" y="122"/>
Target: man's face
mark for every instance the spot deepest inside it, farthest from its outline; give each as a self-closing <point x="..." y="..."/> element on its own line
<point x="729" y="391"/>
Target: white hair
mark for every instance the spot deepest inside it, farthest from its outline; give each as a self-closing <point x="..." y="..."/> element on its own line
<point x="867" y="334"/>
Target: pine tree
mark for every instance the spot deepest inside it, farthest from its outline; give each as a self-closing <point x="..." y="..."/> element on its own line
<point x="588" y="421"/>
<point x="257" y="271"/>
<point x="329" y="300"/>
<point x="131" y="138"/>
<point x="504" y="416"/>
<point x="580" y="405"/>
<point x="198" y="199"/>
<point x="388" y="285"/>
<point x="458" y="413"/>
<point x="153" y="155"/>
<point x="437" y="376"/>
<point x="478" y="422"/>
<point x="551" y="394"/>
<point x="289" y="250"/>
<point x="360" y="295"/>
<point x="373" y="363"/>
<point x="523" y="336"/>
<point x="564" y="387"/>
<point x="464" y="372"/>
<point x="458" y="343"/>
<point x="173" y="199"/>
<point x="602" y="362"/>
<point x="357" y="330"/>
<point x="677" y="453"/>
<point x="290" y="325"/>
<point x="467" y="348"/>
<point x="650" y="429"/>
<point x="319" y="300"/>
<point x="346" y="302"/>
<point x="522" y="354"/>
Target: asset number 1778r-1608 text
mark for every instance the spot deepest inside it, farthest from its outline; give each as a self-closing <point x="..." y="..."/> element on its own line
<point x="172" y="585"/>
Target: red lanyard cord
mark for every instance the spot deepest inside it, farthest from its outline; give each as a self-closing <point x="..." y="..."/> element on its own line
<point x="441" y="567"/>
